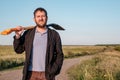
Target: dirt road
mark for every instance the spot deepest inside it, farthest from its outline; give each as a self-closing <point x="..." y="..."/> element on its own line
<point x="17" y="74"/>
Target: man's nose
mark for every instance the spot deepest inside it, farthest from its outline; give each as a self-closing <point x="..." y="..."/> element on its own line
<point x="41" y="18"/>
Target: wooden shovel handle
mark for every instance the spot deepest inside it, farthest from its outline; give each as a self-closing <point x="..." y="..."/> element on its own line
<point x="8" y="31"/>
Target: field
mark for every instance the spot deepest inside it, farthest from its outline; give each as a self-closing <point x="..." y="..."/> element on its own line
<point x="9" y="59"/>
<point x="104" y="66"/>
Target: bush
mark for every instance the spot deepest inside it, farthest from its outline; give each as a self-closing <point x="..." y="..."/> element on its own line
<point x="10" y="63"/>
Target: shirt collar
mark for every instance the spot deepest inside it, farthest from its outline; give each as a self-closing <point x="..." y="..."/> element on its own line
<point x="43" y="32"/>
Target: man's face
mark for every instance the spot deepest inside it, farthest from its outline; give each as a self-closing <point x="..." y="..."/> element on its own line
<point x="40" y="19"/>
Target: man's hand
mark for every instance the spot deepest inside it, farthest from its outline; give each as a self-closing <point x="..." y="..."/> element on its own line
<point x="19" y="31"/>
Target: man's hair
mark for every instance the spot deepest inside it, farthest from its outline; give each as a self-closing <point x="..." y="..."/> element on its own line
<point x="40" y="9"/>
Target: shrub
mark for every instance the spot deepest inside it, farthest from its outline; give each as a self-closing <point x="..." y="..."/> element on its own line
<point x="117" y="48"/>
<point x="9" y="63"/>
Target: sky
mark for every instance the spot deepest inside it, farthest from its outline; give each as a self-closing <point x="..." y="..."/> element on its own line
<point x="87" y="22"/>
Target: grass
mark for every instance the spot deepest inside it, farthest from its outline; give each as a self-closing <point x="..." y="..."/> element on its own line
<point x="104" y="66"/>
<point x="75" y="51"/>
<point x="117" y="48"/>
<point x="9" y="59"/>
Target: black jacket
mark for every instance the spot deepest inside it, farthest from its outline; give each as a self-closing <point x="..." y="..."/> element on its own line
<point x="54" y="53"/>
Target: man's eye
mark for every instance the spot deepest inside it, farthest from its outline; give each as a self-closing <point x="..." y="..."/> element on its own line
<point x="43" y="16"/>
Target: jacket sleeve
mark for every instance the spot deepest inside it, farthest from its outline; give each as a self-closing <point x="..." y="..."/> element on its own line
<point x="59" y="55"/>
<point x="18" y="44"/>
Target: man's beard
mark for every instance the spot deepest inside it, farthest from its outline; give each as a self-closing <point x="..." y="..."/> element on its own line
<point x="40" y="25"/>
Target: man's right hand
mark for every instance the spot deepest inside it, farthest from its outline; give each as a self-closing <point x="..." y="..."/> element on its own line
<point x="18" y="32"/>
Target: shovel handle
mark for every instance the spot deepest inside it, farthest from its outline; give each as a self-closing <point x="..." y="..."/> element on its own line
<point x="8" y="31"/>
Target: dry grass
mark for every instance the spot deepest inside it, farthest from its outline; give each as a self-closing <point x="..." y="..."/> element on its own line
<point x="104" y="66"/>
<point x="9" y="59"/>
<point x="75" y="51"/>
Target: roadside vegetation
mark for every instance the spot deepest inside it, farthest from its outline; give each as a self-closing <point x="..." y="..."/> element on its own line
<point x="9" y="59"/>
<point x="104" y="66"/>
<point x="76" y="51"/>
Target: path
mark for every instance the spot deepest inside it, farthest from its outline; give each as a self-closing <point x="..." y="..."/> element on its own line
<point x="17" y="74"/>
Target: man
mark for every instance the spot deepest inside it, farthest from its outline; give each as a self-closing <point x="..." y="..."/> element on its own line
<point x="43" y="49"/>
